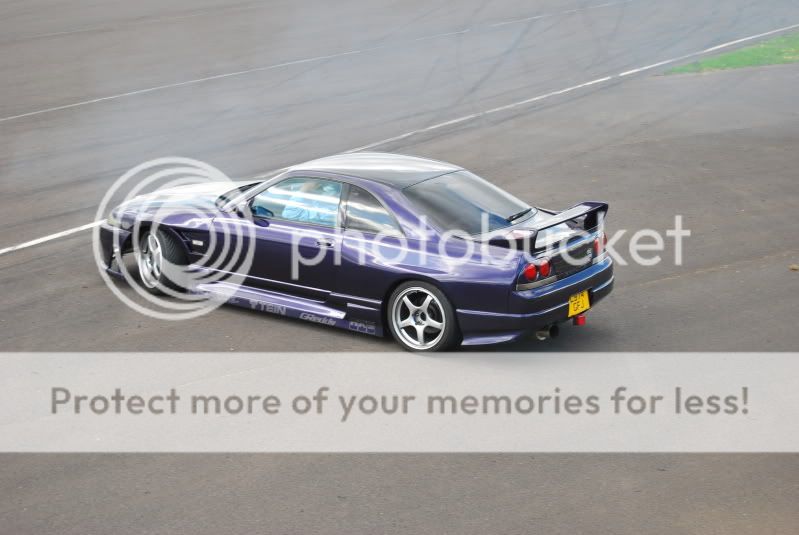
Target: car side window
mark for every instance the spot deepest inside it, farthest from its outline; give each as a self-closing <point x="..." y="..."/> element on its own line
<point x="305" y="200"/>
<point x="366" y="214"/>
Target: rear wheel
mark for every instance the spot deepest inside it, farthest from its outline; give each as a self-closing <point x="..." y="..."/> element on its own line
<point x="421" y="317"/>
<point x="160" y="260"/>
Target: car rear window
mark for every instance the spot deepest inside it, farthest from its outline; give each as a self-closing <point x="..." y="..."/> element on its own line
<point x="459" y="200"/>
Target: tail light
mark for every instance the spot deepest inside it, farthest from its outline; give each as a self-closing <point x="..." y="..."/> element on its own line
<point x="544" y="268"/>
<point x="599" y="244"/>
<point x="540" y="268"/>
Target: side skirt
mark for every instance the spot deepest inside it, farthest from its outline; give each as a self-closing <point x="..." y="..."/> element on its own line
<point x="290" y="306"/>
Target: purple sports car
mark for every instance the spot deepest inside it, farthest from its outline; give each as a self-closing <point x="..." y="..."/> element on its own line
<point x="375" y="243"/>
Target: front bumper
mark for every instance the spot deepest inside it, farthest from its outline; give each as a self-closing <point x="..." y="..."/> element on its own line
<point x="113" y="242"/>
<point x="536" y="308"/>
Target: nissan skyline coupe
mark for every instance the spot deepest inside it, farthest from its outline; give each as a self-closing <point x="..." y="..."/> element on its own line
<point x="376" y="243"/>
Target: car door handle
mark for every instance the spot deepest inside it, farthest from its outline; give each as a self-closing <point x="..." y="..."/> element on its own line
<point x="324" y="243"/>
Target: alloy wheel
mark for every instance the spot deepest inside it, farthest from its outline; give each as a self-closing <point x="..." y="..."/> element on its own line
<point x="150" y="261"/>
<point x="418" y="318"/>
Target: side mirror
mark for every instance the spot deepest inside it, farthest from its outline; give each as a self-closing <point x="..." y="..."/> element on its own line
<point x="261" y="211"/>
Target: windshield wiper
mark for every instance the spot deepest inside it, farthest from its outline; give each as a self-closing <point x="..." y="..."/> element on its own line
<point x="517" y="215"/>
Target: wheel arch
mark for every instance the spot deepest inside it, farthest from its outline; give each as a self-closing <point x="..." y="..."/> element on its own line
<point x="146" y="225"/>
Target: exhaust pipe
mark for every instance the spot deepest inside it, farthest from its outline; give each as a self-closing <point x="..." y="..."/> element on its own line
<point x="550" y="332"/>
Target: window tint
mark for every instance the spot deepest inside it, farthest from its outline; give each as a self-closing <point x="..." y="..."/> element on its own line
<point x="462" y="200"/>
<point x="306" y="200"/>
<point x="366" y="214"/>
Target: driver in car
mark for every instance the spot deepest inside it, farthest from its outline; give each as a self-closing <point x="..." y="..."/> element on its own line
<point x="315" y="202"/>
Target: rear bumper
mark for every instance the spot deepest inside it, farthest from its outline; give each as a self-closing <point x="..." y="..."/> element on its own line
<point x="537" y="308"/>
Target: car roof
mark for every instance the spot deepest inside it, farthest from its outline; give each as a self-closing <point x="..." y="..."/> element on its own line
<point x="396" y="170"/>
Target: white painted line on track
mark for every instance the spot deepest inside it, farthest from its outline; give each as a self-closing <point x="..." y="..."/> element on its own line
<point x="284" y="64"/>
<point x="50" y="237"/>
<point x="179" y="84"/>
<point x="133" y="23"/>
<point x="436" y="36"/>
<point x="709" y="50"/>
<point x="481" y="114"/>
<point x="469" y="117"/>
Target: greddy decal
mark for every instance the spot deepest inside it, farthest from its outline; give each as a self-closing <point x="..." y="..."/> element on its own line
<point x="317" y="319"/>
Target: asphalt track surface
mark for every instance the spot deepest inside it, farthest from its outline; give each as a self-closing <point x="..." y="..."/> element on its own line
<point x="91" y="89"/>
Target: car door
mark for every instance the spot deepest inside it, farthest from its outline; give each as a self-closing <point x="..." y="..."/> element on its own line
<point x="296" y="231"/>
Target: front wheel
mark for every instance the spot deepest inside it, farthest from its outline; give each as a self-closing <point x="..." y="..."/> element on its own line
<point x="161" y="261"/>
<point x="421" y="317"/>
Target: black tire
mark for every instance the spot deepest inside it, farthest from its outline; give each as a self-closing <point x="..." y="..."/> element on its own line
<point x="413" y="318"/>
<point x="170" y="274"/>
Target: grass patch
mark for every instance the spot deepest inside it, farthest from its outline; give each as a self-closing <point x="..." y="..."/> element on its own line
<point x="780" y="50"/>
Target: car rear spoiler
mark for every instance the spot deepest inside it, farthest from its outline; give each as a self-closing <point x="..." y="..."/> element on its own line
<point x="592" y="213"/>
<point x="586" y="216"/>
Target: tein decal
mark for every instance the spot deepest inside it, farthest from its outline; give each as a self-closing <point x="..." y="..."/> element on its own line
<point x="268" y="307"/>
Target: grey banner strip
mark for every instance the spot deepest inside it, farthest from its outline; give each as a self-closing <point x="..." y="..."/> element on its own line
<point x="399" y="402"/>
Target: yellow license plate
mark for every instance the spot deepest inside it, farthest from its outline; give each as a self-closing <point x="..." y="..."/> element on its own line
<point x="578" y="303"/>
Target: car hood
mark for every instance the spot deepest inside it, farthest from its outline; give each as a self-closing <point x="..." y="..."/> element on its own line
<point x="191" y="199"/>
<point x="195" y="196"/>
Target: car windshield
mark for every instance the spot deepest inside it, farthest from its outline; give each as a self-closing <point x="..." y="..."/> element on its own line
<point x="461" y="201"/>
<point x="228" y="196"/>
